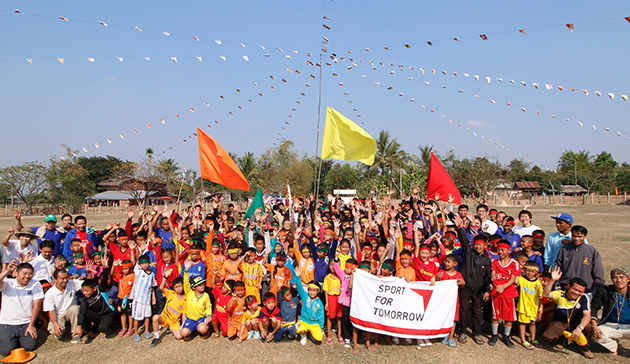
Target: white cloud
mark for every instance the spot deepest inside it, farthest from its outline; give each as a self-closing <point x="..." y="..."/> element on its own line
<point x="110" y="78"/>
<point x="477" y="124"/>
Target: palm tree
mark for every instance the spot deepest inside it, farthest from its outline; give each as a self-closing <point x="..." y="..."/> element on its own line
<point x="249" y="167"/>
<point x="149" y="152"/>
<point x="425" y="155"/>
<point x="168" y="168"/>
<point x="389" y="157"/>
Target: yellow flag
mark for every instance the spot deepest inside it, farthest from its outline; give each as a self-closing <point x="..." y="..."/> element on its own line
<point x="345" y="140"/>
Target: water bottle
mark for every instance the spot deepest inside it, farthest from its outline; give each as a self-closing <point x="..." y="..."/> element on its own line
<point x="124" y="303"/>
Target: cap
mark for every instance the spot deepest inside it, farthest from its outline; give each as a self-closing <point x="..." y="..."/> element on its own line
<point x="195" y="281"/>
<point x="50" y="217"/>
<point x="564" y="217"/>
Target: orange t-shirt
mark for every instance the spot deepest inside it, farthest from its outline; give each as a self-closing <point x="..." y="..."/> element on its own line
<point x="231" y="270"/>
<point x="306" y="265"/>
<point x="238" y="309"/>
<point x="280" y="279"/>
<point x="213" y="261"/>
<point x="408" y="273"/>
<point x="125" y="285"/>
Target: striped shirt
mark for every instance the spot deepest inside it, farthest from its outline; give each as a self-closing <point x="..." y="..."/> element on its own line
<point x="141" y="291"/>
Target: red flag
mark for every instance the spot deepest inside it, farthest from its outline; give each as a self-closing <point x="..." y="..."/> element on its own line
<point x="217" y="165"/>
<point x="439" y="182"/>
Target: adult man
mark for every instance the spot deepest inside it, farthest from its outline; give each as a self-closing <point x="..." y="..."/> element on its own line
<point x="557" y="239"/>
<point x="66" y="220"/>
<point x="23" y="246"/>
<point x="21" y="303"/>
<point x="573" y="312"/>
<point x="462" y="211"/>
<point x="577" y="259"/>
<point x="43" y="265"/>
<point x="82" y="232"/>
<point x="61" y="304"/>
<point x="486" y="224"/>
<point x="526" y="227"/>
<point x="51" y="231"/>
<point x="615" y="321"/>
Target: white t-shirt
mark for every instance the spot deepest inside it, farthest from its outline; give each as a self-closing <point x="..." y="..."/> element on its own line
<point x="17" y="301"/>
<point x="14" y="250"/>
<point x="522" y="231"/>
<point x="59" y="301"/>
<point x="42" y="269"/>
<point x="492" y="227"/>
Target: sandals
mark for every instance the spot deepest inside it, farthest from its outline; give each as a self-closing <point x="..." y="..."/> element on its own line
<point x="527" y="345"/>
<point x="341" y="340"/>
<point x="329" y="340"/>
<point x="130" y="333"/>
<point x="462" y="339"/>
<point x="122" y="332"/>
<point x="478" y="340"/>
<point x="215" y="336"/>
<point x="536" y="344"/>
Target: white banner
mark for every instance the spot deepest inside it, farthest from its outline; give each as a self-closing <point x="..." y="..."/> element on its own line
<point x="393" y="306"/>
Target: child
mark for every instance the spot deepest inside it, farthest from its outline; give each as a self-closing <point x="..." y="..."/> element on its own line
<point x="305" y="263"/>
<point x="345" y="297"/>
<point x="236" y="308"/>
<point x="344" y="252"/>
<point x="404" y="268"/>
<point x="77" y="271"/>
<point x="222" y="297"/>
<point x="288" y="312"/>
<point x="96" y="313"/>
<point x="214" y="258"/>
<point x="450" y="272"/>
<point x="121" y="252"/>
<point x="521" y="258"/>
<point x="312" y="313"/>
<point x="332" y="288"/>
<point x="173" y="310"/>
<point x="60" y="262"/>
<point x="167" y="269"/>
<point x="249" y="320"/>
<point x="504" y="273"/>
<point x="365" y="266"/>
<point x="279" y="275"/>
<point x="231" y="268"/>
<point x="527" y="246"/>
<point x="197" y="266"/>
<point x="125" y="285"/>
<point x="142" y="295"/>
<point x="253" y="273"/>
<point x="97" y="266"/>
<point x="198" y="307"/>
<point x="388" y="268"/>
<point x="270" y="318"/>
<point x="530" y="304"/>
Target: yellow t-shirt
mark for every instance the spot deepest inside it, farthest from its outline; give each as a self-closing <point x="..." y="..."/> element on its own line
<point x="342" y="260"/>
<point x="247" y="315"/>
<point x="173" y="308"/>
<point x="332" y="285"/>
<point x="252" y="272"/>
<point x="196" y="307"/>
<point x="530" y="293"/>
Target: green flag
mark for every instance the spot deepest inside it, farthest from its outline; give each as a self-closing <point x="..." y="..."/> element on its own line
<point x="257" y="203"/>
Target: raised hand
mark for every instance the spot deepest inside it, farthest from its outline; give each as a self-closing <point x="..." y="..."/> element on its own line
<point x="298" y="271"/>
<point x="11" y="231"/>
<point x="556" y="273"/>
<point x="187" y="264"/>
<point x="131" y="214"/>
<point x="17" y="215"/>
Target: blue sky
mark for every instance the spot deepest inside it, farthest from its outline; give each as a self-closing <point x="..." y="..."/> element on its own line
<point x="79" y="103"/>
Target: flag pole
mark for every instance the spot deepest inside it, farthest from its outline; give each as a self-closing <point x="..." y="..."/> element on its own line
<point x="319" y="118"/>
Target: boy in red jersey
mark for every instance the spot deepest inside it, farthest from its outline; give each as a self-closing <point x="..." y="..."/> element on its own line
<point x="450" y="272"/>
<point x="505" y="270"/>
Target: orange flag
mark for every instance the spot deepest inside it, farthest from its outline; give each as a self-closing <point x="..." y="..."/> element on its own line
<point x="217" y="165"/>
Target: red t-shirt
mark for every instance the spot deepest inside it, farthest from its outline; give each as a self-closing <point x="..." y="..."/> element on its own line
<point x="447" y="277"/>
<point x="425" y="271"/>
<point x="222" y="301"/>
<point x="502" y="275"/>
<point x="118" y="254"/>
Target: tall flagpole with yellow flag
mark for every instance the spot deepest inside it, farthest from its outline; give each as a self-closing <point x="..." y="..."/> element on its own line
<point x="344" y="140"/>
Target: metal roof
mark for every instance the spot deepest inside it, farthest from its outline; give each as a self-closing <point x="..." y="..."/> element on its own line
<point x="528" y="185"/>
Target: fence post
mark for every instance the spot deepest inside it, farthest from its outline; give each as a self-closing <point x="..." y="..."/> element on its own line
<point x="609" y="198"/>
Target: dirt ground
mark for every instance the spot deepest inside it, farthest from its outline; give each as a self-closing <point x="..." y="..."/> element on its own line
<point x="608" y="226"/>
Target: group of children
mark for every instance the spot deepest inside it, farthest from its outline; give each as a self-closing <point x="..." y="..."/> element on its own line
<point x="289" y="273"/>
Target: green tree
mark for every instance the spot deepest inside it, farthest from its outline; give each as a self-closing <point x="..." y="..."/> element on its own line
<point x="389" y="155"/>
<point x="168" y="171"/>
<point x="341" y="177"/>
<point x="27" y="182"/>
<point x="282" y="165"/>
<point x="68" y="182"/>
<point x="99" y="169"/>
<point x="476" y="177"/>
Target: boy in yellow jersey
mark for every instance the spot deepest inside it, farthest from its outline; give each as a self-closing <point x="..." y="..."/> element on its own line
<point x="198" y="306"/>
<point x="253" y="272"/>
<point x="530" y="304"/>
<point x="173" y="310"/>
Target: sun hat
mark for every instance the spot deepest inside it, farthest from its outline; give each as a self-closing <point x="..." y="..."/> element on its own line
<point x="27" y="231"/>
<point x="19" y="356"/>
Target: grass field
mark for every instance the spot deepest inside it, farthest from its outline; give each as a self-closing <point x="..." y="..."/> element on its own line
<point x="608" y="231"/>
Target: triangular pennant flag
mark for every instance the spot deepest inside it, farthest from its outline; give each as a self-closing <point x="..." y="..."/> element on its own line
<point x="571" y="27"/>
<point x="439" y="182"/>
<point x="523" y="31"/>
<point x="483" y="36"/>
<point x="256" y="204"/>
<point x="345" y="140"/>
<point x="217" y="165"/>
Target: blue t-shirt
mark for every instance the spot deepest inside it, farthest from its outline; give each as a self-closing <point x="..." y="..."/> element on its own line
<point x="78" y="271"/>
<point x="624" y="317"/>
<point x="53" y="235"/>
<point x="538" y="259"/>
<point x="167" y="238"/>
<point x="196" y="270"/>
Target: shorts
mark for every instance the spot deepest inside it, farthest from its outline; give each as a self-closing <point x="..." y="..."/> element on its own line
<point x="503" y="308"/>
<point x="174" y="326"/>
<point x="525" y="318"/>
<point x="314" y="329"/>
<point x="127" y="309"/>
<point x="191" y="325"/>
<point x="334" y="307"/>
<point x="140" y="311"/>
<point x="267" y="322"/>
<point x="222" y="320"/>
